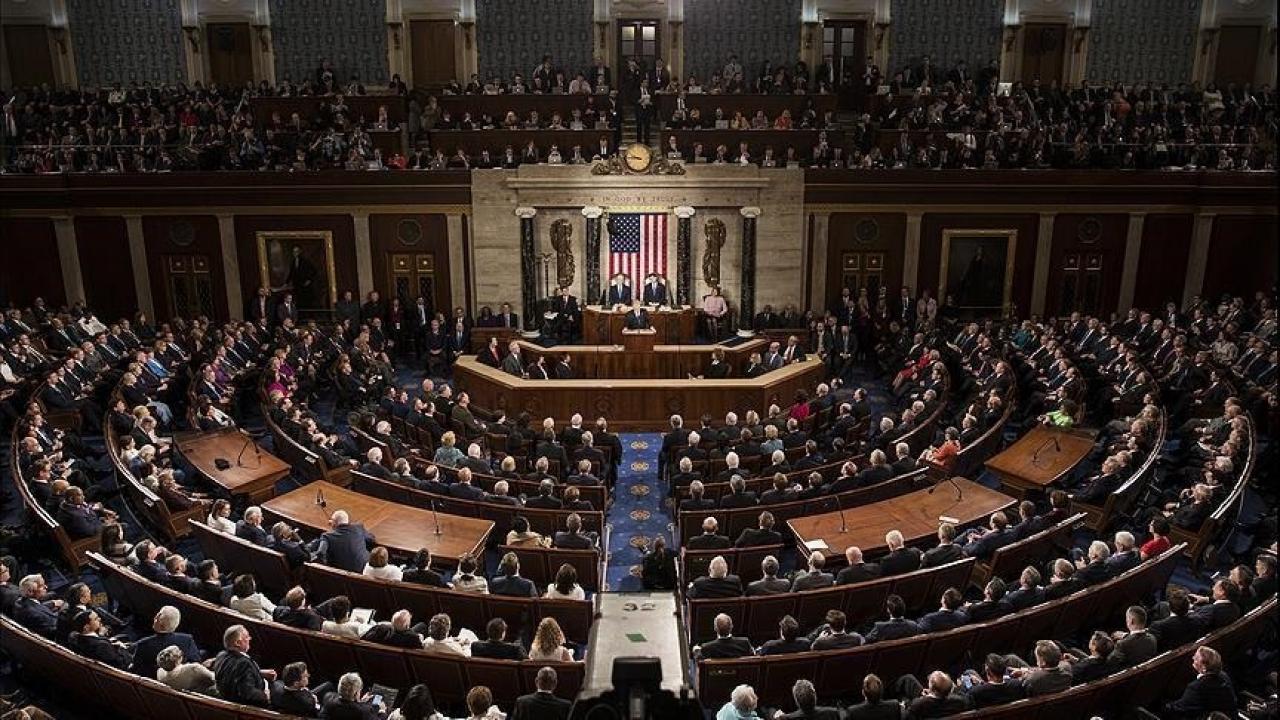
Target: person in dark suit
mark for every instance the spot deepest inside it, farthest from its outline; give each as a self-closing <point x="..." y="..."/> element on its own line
<point x="1220" y="611"/>
<point x="760" y="536"/>
<point x="655" y="291"/>
<point x="873" y="705"/>
<point x="399" y="632"/>
<point x="896" y="626"/>
<point x="950" y="615"/>
<point x="725" y="645"/>
<point x="987" y="542"/>
<point x="992" y="605"/>
<point x="542" y="704"/>
<point x="738" y="496"/>
<point x="658" y="569"/>
<point x="938" y="699"/>
<point x="1064" y="581"/>
<point x="618" y="292"/>
<point x="946" y="550"/>
<point x="834" y="633"/>
<point x="463" y="489"/>
<point x="992" y="688"/>
<point x="718" y="583"/>
<point x="637" y="318"/>
<point x="807" y="707"/>
<point x="250" y="527"/>
<point x="237" y="676"/>
<point x="1210" y="691"/>
<point x="295" y="612"/>
<point x="291" y="695"/>
<point x="1028" y="592"/>
<point x="86" y="639"/>
<point x="420" y="573"/>
<point x="496" y="645"/>
<point x="696" y="501"/>
<point x="164" y="628"/>
<point x="770" y="584"/>
<point x="855" y="570"/>
<point x="286" y="309"/>
<point x="1177" y="629"/>
<point x="1137" y="645"/>
<point x="788" y="640"/>
<point x="709" y="539"/>
<point x="348" y="704"/>
<point x="900" y="559"/>
<point x="508" y="581"/>
<point x="346" y="546"/>
<point x="302" y="278"/>
<point x="572" y="537"/>
<point x="813" y="577"/>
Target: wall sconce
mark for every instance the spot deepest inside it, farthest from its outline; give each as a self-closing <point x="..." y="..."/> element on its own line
<point x="882" y="29"/>
<point x="1210" y="34"/>
<point x="193" y="37"/>
<point x="395" y="28"/>
<point x="264" y="37"/>
<point x="59" y="35"/>
<point x="1011" y="36"/>
<point x="1077" y="40"/>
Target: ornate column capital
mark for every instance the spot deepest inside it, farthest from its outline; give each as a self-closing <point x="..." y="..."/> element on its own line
<point x="684" y="212"/>
<point x="591" y="212"/>
<point x="526" y="213"/>
<point x="750" y="212"/>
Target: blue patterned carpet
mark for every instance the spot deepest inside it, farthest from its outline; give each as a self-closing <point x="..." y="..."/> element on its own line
<point x="639" y="512"/>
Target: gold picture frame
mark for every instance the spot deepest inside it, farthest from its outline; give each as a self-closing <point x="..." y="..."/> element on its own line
<point x="973" y="281"/>
<point x="275" y="254"/>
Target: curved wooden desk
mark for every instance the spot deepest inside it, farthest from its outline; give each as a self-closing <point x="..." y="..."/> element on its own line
<point x="603" y="326"/>
<point x="602" y="362"/>
<point x="634" y="404"/>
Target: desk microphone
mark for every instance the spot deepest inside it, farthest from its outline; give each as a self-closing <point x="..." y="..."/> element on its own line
<point x="436" y="516"/>
<point x="840" y="506"/>
<point x="248" y="440"/>
<point x="1035" y="457"/>
<point x="320" y="498"/>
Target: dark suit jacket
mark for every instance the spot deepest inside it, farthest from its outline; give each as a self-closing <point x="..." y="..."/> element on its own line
<point x="347" y="547"/>
<point x="928" y="706"/>
<point x="756" y="537"/>
<point x="900" y="561"/>
<point x="513" y="586"/>
<point x="632" y="321"/>
<point x="253" y="533"/>
<point x="941" y="555"/>
<point x="1205" y="694"/>
<point x="725" y="648"/>
<point x="857" y="573"/>
<point x="1134" y="648"/>
<point x="239" y="679"/>
<point x="893" y="629"/>
<point x="939" y="620"/>
<point x="540" y="706"/>
<point x="708" y="542"/>
<point x="879" y="710"/>
<point x="709" y="587"/>
<point x="768" y="586"/>
<point x="572" y="541"/>
<point x="1174" y="631"/>
<point x="302" y="702"/>
<point x="497" y="650"/>
<point x="335" y="708"/>
<point x="1215" y="615"/>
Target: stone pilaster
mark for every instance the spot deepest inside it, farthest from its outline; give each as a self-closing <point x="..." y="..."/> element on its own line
<point x="684" y="254"/>
<point x="747" y="305"/>
<point x="528" y="267"/>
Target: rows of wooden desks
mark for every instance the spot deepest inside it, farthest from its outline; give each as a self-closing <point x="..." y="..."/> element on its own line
<point x="636" y="404"/>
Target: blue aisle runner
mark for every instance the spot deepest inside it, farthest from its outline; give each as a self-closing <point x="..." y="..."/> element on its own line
<point x="639" y="512"/>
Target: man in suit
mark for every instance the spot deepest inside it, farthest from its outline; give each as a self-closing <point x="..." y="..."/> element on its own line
<point x="508" y="581"/>
<point x="855" y="570"/>
<point x="738" y="496"/>
<point x="583" y="476"/>
<point x="655" y="291"/>
<point x="725" y="645"/>
<point x="997" y="536"/>
<point x="896" y="626"/>
<point x="1028" y="592"/>
<point x="788" y="640"/>
<point x="834" y="633"/>
<point x="1137" y="645"/>
<point x="992" y="688"/>
<point x="1210" y="691"/>
<point x="807" y="707"/>
<point x="717" y="583"/>
<point x="1176" y="630"/>
<point x="618" y="292"/>
<point x="542" y="704"/>
<point x="237" y="676"/>
<point x="512" y="364"/>
<point x="349" y="702"/>
<point x="813" y="577"/>
<point x="770" y="584"/>
<point x="1051" y="674"/>
<point x="295" y="612"/>
<point x="1220" y="611"/>
<point x="346" y="546"/>
<point x="496" y="646"/>
<point x="565" y="305"/>
<point x="873" y="705"/>
<point x="302" y="278"/>
<point x="572" y="537"/>
<point x="250" y="527"/>
<point x="901" y="559"/>
<point x="950" y="615"/>
<point x="696" y="501"/>
<point x="992" y="605"/>
<point x="291" y="695"/>
<point x="709" y="539"/>
<point x="164" y="627"/>
<point x="938" y="699"/>
<point x="759" y="536"/>
<point x="946" y="550"/>
<point x="400" y="632"/>
<point x="506" y="318"/>
<point x="463" y="489"/>
<point x="637" y="318"/>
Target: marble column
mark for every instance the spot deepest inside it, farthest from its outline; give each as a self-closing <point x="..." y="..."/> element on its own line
<point x="460" y="292"/>
<point x="817" y="261"/>
<point x="911" y="254"/>
<point x="1199" y="256"/>
<point x="684" y="254"/>
<point x="64" y="231"/>
<point x="138" y="263"/>
<point x="364" y="254"/>
<point x="1129" y="271"/>
<point x="230" y="264"/>
<point x="528" y="267"/>
<point x="747" y="305"/>
<point x="1040" y="275"/>
<point x="591" y="253"/>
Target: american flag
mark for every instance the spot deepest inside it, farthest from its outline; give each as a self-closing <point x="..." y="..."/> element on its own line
<point x="638" y="246"/>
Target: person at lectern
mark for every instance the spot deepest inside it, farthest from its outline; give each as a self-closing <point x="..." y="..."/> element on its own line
<point x="637" y="318"/>
<point x="655" y="291"/>
<point x="619" y="292"/>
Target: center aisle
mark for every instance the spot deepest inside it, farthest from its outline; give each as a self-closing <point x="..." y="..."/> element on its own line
<point x="639" y="513"/>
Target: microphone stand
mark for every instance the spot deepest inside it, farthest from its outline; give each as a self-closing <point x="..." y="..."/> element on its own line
<point x="248" y="440"/>
<point x="946" y="476"/>
<point x="844" y="528"/>
<point x="436" y="516"/>
<point x="320" y="498"/>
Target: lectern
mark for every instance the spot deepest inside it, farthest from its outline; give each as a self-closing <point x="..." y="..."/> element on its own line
<point x="639" y="341"/>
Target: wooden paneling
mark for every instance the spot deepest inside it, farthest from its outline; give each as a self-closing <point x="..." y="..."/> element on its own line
<point x="431" y="43"/>
<point x="1242" y="255"/>
<point x="1237" y="60"/>
<point x="1162" y="265"/>
<point x="1043" y="50"/>
<point x="103" y="245"/>
<point x="28" y="55"/>
<point x="230" y="53"/>
<point x="344" y="247"/>
<point x="931" y="229"/>
<point x="1082" y="238"/>
<point x="396" y="233"/>
<point x="167" y="236"/>
<point x="882" y="233"/>
<point x="30" y="268"/>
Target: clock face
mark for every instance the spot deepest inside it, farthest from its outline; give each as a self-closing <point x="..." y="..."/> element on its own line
<point x="638" y="157"/>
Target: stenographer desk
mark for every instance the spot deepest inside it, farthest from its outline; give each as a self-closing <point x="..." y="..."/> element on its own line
<point x="603" y="325"/>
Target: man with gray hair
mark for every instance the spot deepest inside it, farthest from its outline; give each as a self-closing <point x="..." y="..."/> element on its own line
<point x="770" y="584"/>
<point x="709" y="539"/>
<point x="738" y="496"/>
<point x="696" y="501"/>
<point x="350" y="701"/>
<point x="1125" y="557"/>
<point x="807" y="708"/>
<point x="813" y="577"/>
<point x="901" y="559"/>
<point x="725" y="645"/>
<point x="32" y="611"/>
<point x="742" y="701"/>
<point x="164" y="628"/>
<point x="250" y="527"/>
<point x="174" y="671"/>
<point x="237" y="676"/>
<point x="671" y="441"/>
<point x="718" y="583"/>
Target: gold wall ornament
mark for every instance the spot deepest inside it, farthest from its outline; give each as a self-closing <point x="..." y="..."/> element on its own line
<point x="561" y="235"/>
<point x="615" y="165"/>
<point x="713" y="241"/>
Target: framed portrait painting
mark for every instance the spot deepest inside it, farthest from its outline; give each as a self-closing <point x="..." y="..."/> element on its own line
<point x="301" y="262"/>
<point x="977" y="268"/>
